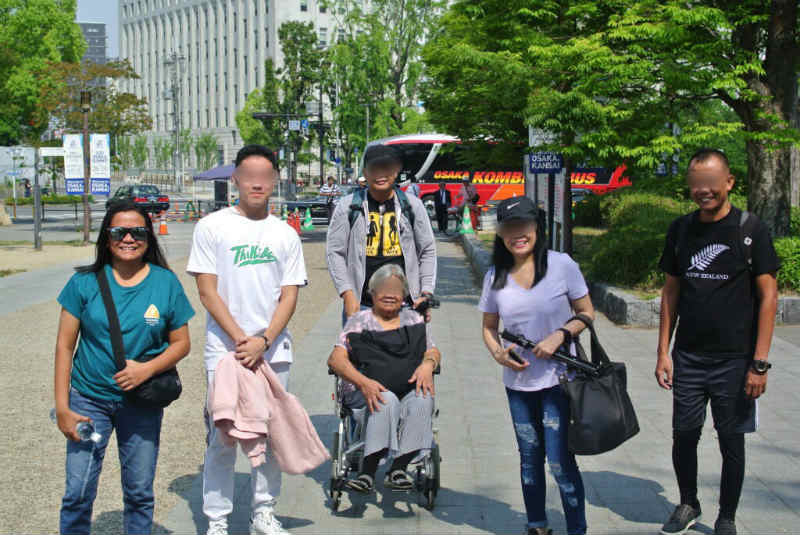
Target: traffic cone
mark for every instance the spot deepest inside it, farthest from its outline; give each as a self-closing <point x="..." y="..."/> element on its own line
<point x="466" y="223"/>
<point x="162" y="227"/>
<point x="294" y="222"/>
<point x="308" y="223"/>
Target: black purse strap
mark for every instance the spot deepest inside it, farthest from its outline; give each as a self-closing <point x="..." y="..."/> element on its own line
<point x="113" y="320"/>
<point x="599" y="355"/>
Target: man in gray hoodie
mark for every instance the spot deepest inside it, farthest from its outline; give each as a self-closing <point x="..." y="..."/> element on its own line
<point x="380" y="225"/>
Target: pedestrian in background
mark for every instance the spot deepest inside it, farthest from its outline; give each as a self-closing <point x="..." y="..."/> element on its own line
<point x="720" y="268"/>
<point x="468" y="196"/>
<point x="330" y="191"/>
<point x="153" y="313"/>
<point x="441" y="202"/>
<point x="249" y="267"/>
<point x="535" y="293"/>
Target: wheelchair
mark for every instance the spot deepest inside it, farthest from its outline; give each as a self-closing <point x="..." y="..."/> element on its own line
<point x="348" y="449"/>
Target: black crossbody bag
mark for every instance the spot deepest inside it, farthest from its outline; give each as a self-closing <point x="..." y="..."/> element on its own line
<point x="601" y="413"/>
<point x="158" y="391"/>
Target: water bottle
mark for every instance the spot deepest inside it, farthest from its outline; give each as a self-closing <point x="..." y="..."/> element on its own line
<point x="85" y="430"/>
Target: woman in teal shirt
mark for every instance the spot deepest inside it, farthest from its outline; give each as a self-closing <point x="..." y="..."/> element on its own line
<point x="153" y="315"/>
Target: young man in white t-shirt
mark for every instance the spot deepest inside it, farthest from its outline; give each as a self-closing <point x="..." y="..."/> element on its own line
<point x="248" y="266"/>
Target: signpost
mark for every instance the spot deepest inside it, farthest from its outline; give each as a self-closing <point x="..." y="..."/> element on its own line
<point x="100" y="164"/>
<point x="73" y="158"/>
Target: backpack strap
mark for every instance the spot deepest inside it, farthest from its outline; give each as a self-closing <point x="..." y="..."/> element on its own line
<point x="682" y="231"/>
<point x="747" y="227"/>
<point x="405" y="206"/>
<point x="356" y="206"/>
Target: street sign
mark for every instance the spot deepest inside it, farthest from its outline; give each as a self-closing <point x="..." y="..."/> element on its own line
<point x="545" y="162"/>
<point x="56" y="152"/>
<point x="73" y="156"/>
<point x="100" y="186"/>
<point x="304" y="124"/>
<point x="99" y="156"/>
<point x="538" y="136"/>
<point x="294" y="124"/>
<point x="74" y="186"/>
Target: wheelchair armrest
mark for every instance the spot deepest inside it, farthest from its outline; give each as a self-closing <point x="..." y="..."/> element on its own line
<point x="438" y="369"/>
<point x="330" y="371"/>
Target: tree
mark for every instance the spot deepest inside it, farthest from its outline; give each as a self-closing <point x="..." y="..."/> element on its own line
<point x="163" y="150"/>
<point x="112" y="111"/>
<point x="608" y="77"/>
<point x="374" y="68"/>
<point x="185" y="144"/>
<point x="205" y="150"/>
<point x="286" y="90"/>
<point x="140" y="152"/>
<point x="123" y="160"/>
<point x="33" y="34"/>
<point x="263" y="99"/>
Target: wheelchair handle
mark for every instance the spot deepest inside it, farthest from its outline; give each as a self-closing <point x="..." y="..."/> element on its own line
<point x="430" y="302"/>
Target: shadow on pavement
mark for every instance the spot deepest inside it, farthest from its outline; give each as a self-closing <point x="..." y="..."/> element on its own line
<point x="110" y="523"/>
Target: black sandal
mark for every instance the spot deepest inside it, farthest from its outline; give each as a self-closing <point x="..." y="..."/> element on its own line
<point x="363" y="484"/>
<point x="398" y="480"/>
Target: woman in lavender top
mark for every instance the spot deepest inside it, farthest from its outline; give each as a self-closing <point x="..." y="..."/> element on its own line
<point x="535" y="292"/>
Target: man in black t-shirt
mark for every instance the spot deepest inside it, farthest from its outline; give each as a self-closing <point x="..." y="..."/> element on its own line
<point x="720" y="270"/>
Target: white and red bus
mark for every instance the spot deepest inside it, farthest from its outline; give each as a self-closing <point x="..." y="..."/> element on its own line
<point x="425" y="163"/>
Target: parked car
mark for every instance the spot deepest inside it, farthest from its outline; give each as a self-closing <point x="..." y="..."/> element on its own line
<point x="145" y="195"/>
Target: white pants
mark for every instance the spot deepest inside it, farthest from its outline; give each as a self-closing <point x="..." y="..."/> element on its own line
<point x="218" y="470"/>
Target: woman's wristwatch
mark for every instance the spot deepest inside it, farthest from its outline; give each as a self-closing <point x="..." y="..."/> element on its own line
<point x="267" y="343"/>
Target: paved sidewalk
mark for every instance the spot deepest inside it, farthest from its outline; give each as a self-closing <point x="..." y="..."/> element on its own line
<point x="629" y="491"/>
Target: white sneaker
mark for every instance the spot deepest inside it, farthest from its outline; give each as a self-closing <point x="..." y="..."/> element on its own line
<point x="218" y="527"/>
<point x="265" y="523"/>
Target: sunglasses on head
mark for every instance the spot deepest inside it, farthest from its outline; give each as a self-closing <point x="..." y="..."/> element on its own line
<point x="137" y="233"/>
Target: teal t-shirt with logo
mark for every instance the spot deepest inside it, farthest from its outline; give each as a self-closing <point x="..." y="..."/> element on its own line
<point x="147" y="312"/>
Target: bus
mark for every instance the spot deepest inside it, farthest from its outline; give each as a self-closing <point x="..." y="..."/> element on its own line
<point x="425" y="163"/>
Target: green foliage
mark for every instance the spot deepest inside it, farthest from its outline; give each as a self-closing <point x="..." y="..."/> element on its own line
<point x="185" y="144"/>
<point x="587" y="213"/>
<point x="49" y="199"/>
<point x="140" y="152"/>
<point x="628" y="254"/>
<point x="163" y="152"/>
<point x="33" y="35"/>
<point x="123" y="160"/>
<point x="610" y="79"/>
<point x="788" y="250"/>
<point x="112" y="111"/>
<point x="795" y="231"/>
<point x="205" y="149"/>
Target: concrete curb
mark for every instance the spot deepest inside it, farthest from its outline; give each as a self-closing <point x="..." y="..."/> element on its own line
<point x="618" y="305"/>
<point x="479" y="258"/>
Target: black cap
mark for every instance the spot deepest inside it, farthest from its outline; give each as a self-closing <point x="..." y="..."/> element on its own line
<point x="517" y="208"/>
<point x="382" y="154"/>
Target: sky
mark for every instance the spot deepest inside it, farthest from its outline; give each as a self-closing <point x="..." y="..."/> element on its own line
<point x="106" y="11"/>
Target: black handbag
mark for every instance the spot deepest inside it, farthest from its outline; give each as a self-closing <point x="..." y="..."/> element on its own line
<point x="158" y="391"/>
<point x="389" y="357"/>
<point x="601" y="413"/>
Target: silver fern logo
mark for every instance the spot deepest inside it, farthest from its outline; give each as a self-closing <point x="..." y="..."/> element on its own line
<point x="703" y="258"/>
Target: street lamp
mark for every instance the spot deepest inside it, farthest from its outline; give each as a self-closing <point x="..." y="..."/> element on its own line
<point x="86" y="104"/>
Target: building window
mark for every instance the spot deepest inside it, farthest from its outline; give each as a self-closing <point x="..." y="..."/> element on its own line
<point x="323" y="9"/>
<point x="245" y="63"/>
<point x="303" y="5"/>
<point x="323" y="37"/>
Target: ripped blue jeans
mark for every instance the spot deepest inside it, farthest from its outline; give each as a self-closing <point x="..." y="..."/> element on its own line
<point x="138" y="430"/>
<point x="540" y="423"/>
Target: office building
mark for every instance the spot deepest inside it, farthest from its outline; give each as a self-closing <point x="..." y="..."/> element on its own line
<point x="217" y="49"/>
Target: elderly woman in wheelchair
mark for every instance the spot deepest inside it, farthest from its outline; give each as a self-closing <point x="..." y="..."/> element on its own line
<point x="384" y="360"/>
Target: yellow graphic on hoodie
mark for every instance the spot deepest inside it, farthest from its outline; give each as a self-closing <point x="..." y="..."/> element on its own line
<point x="383" y="235"/>
<point x="151" y="316"/>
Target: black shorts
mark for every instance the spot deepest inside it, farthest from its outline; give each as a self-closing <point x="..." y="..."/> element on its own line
<point x="696" y="380"/>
